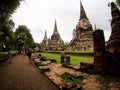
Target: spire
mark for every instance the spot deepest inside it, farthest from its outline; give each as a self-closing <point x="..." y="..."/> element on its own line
<point x="82" y="12"/>
<point x="55" y="35"/>
<point x="114" y="10"/>
<point x="115" y="23"/>
<point x="45" y="37"/>
<point x="55" y="27"/>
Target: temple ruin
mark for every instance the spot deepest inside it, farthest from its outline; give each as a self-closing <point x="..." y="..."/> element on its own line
<point x="53" y="43"/>
<point x="106" y="57"/>
<point x="82" y="34"/>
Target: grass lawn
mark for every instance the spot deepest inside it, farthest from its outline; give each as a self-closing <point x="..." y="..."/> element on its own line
<point x="5" y="54"/>
<point x="74" y="59"/>
<point x="2" y="54"/>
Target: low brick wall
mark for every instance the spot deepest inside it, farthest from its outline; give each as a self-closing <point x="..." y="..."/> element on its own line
<point x="73" y="53"/>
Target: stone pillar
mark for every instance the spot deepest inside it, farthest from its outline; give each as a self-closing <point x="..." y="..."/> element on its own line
<point x="99" y="50"/>
<point x="65" y="60"/>
<point x="62" y="59"/>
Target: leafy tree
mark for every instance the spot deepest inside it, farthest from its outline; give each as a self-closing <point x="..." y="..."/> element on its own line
<point x="24" y="38"/>
<point x="6" y="34"/>
<point x="36" y="45"/>
<point x="7" y="7"/>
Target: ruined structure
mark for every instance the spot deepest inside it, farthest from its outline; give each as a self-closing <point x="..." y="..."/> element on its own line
<point x="53" y="43"/>
<point x="106" y="58"/>
<point x="82" y="35"/>
<point x="113" y="46"/>
<point x="44" y="42"/>
<point x="99" y="50"/>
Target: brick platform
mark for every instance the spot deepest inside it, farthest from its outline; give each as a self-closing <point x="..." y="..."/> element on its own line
<point x="20" y="75"/>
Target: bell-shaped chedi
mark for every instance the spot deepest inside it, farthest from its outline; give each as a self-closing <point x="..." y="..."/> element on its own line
<point x="53" y="43"/>
<point x="114" y="41"/>
<point x="55" y="35"/>
<point x="82" y="34"/>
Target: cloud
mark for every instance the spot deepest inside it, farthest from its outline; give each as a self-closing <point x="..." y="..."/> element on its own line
<point x="39" y="15"/>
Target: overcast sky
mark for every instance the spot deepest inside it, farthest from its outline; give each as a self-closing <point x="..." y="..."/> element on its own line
<point x="40" y="15"/>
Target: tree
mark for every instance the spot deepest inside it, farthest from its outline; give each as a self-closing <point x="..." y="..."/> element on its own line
<point x="6" y="34"/>
<point x="7" y="7"/>
<point x="24" y="38"/>
<point x="36" y="46"/>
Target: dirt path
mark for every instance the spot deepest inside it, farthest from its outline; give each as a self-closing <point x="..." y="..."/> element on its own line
<point x="20" y="75"/>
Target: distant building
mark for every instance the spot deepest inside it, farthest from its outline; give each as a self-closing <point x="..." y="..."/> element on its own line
<point x="44" y="42"/>
<point x="82" y="34"/>
<point x="53" y="43"/>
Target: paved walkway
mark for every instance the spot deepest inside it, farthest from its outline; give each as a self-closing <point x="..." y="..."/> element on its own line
<point x="20" y="75"/>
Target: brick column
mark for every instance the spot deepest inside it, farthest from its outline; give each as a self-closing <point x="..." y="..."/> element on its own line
<point x="99" y="49"/>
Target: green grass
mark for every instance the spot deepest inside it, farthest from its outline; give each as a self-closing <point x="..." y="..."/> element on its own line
<point x="78" y="59"/>
<point x="5" y="54"/>
<point x="52" y="56"/>
<point x="74" y="59"/>
<point x="2" y="54"/>
<point x="67" y="78"/>
<point x="82" y="51"/>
